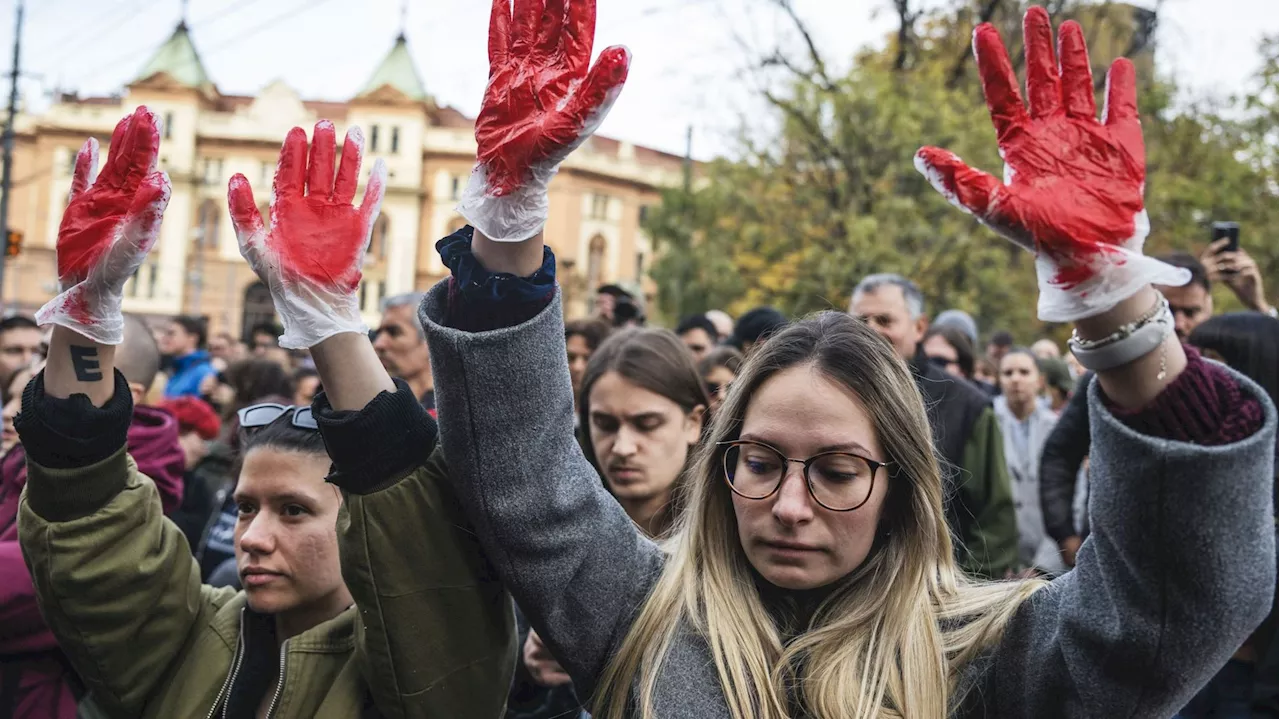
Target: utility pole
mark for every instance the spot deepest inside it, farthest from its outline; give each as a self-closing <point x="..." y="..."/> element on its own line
<point x="6" y="179"/>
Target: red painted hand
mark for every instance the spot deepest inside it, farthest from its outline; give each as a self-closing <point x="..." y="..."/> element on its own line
<point x="311" y="255"/>
<point x="542" y="102"/>
<point x="108" y="228"/>
<point x="1073" y="190"/>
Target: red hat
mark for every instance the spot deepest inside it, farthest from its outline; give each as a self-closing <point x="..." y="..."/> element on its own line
<point x="193" y="415"/>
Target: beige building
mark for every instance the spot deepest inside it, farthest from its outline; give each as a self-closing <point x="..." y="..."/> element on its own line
<point x="597" y="200"/>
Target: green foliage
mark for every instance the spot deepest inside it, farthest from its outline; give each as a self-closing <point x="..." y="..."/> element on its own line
<point x="833" y="196"/>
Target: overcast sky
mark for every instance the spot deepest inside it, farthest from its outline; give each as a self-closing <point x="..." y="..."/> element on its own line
<point x="685" y="52"/>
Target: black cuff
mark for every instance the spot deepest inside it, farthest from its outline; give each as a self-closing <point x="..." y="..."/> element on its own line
<point x="379" y="445"/>
<point x="72" y="433"/>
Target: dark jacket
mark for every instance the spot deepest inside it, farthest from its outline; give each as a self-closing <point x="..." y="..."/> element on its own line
<point x="45" y="686"/>
<point x="979" y="495"/>
<point x="1064" y="452"/>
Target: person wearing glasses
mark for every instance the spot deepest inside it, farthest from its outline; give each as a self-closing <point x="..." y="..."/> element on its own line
<point x="811" y="572"/>
<point x="349" y="489"/>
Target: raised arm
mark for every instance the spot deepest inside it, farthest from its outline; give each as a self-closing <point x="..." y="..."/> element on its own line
<point x="1180" y="566"/>
<point x="435" y="637"/>
<point x="574" y="561"/>
<point x="110" y="573"/>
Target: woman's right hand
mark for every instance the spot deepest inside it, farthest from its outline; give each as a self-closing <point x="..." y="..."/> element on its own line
<point x="311" y="254"/>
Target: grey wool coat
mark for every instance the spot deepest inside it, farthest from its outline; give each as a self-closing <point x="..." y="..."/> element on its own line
<point x="1179" y="570"/>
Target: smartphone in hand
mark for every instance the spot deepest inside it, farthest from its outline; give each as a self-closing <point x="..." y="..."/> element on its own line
<point x="1229" y="231"/>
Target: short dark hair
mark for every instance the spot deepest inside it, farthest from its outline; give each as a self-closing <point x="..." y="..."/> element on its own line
<point x="266" y="328"/>
<point x="698" y="322"/>
<point x="256" y="380"/>
<point x="280" y="435"/>
<point x="614" y="290"/>
<point x="1247" y="342"/>
<point x="1187" y="261"/>
<point x="757" y="324"/>
<point x="722" y="356"/>
<point x="592" y="330"/>
<point x="959" y="341"/>
<point x="17" y="322"/>
<point x="1001" y="338"/>
<point x="192" y="325"/>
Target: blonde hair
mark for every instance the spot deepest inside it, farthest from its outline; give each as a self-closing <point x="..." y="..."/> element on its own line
<point x="890" y="639"/>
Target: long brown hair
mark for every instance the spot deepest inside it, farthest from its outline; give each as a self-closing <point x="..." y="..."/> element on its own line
<point x="655" y="360"/>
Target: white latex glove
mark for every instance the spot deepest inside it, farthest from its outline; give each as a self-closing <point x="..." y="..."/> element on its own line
<point x="540" y="105"/>
<point x="311" y="254"/>
<point x="1073" y="185"/>
<point x="107" y="229"/>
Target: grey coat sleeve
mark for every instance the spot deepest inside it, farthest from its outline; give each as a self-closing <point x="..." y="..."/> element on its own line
<point x="574" y="561"/>
<point x="1064" y="452"/>
<point x="1179" y="570"/>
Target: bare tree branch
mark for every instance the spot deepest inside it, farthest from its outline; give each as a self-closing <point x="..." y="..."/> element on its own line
<point x="985" y="13"/>
<point x="819" y="66"/>
<point x="906" y="32"/>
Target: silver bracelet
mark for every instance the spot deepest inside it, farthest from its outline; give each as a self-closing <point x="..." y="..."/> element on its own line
<point x="1128" y="343"/>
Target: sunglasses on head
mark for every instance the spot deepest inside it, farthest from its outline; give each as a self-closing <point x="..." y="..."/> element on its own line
<point x="261" y="415"/>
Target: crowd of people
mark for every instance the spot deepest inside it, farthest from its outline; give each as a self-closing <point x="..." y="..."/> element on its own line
<point x="482" y="508"/>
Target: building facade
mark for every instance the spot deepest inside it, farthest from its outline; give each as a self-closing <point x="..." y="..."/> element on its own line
<point x="597" y="200"/>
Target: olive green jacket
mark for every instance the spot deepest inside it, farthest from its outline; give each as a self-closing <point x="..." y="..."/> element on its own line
<point x="121" y="591"/>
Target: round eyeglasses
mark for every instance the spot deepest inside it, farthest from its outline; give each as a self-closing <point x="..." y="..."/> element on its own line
<point x="839" y="481"/>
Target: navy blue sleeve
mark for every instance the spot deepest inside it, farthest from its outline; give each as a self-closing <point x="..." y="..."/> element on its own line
<point x="480" y="300"/>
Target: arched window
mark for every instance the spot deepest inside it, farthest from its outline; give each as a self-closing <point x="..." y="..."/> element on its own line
<point x="595" y="263"/>
<point x="257" y="308"/>
<point x="207" y="224"/>
<point x="378" y="243"/>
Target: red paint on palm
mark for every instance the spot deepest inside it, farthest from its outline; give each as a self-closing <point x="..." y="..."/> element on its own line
<point x="1075" y="184"/>
<point x="95" y="215"/>
<point x="316" y="236"/>
<point x="318" y="241"/>
<point x="541" y="101"/>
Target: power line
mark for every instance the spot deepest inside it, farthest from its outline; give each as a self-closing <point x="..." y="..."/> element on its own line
<point x="94" y="28"/>
<point x="237" y="39"/>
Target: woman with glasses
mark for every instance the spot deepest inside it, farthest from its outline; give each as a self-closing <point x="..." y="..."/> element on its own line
<point x="811" y="573"/>
<point x="357" y="476"/>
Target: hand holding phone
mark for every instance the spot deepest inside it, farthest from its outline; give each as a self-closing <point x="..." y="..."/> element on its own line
<point x="1230" y="231"/>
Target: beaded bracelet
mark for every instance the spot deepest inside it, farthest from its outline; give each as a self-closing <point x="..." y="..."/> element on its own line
<point x="1128" y="343"/>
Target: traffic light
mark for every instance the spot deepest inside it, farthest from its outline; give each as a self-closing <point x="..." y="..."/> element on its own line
<point x="13" y="244"/>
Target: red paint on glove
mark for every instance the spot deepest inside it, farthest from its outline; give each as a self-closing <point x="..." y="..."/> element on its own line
<point x="1076" y="184"/>
<point x="541" y="96"/>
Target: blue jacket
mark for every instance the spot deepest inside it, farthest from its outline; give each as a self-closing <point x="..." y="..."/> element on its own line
<point x="188" y="372"/>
